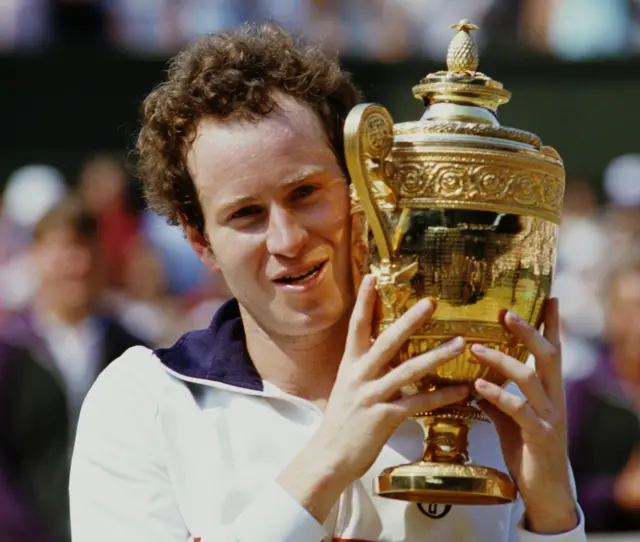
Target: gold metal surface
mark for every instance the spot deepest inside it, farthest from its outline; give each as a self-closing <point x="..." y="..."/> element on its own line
<point x="465" y="212"/>
<point x="445" y="483"/>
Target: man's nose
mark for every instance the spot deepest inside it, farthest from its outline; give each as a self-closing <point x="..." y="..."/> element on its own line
<point x="286" y="235"/>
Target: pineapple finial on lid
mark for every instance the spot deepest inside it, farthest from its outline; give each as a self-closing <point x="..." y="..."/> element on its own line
<point x="462" y="55"/>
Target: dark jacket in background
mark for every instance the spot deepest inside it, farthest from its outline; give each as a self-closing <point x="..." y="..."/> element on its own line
<point x="35" y="437"/>
<point x="604" y="430"/>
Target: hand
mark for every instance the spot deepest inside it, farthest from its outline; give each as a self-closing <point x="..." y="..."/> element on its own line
<point x="365" y="406"/>
<point x="533" y="431"/>
<point x="626" y="490"/>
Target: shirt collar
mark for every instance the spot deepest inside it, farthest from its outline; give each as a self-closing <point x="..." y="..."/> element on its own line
<point x="217" y="353"/>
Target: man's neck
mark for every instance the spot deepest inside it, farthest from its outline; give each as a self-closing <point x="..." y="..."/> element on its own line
<point x="303" y="366"/>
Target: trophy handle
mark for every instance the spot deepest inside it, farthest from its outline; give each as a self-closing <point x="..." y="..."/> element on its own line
<point x="368" y="137"/>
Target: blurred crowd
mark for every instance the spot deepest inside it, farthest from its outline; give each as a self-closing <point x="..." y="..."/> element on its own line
<point x="598" y="284"/>
<point x="383" y="30"/>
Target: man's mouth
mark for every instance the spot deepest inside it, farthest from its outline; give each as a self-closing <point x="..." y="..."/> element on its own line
<point x="301" y="277"/>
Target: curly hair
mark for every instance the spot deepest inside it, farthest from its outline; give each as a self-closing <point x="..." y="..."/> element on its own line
<point x="231" y="75"/>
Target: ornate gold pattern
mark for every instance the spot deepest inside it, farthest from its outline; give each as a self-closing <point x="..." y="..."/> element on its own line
<point x="511" y="184"/>
<point x="468" y="128"/>
<point x="394" y="287"/>
<point x="368" y="139"/>
<point x="465" y="213"/>
<point x="444" y="87"/>
<point x="462" y="55"/>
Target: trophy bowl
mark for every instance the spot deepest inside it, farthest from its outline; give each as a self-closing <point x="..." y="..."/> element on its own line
<point x="460" y="209"/>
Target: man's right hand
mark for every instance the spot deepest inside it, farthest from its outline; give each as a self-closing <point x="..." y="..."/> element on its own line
<point x="366" y="405"/>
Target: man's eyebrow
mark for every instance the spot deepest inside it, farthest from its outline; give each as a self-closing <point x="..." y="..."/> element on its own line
<point x="289" y="182"/>
<point x="301" y="176"/>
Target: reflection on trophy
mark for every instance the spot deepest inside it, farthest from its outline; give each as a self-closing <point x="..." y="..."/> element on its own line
<point x="460" y="209"/>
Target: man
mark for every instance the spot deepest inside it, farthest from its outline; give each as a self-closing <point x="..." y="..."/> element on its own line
<point x="604" y="410"/>
<point x="271" y="424"/>
<point x="50" y="355"/>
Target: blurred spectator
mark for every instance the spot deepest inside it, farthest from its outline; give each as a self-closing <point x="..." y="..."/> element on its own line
<point x="34" y="444"/>
<point x="198" y="17"/>
<point x="30" y="192"/>
<point x="25" y="25"/>
<point x="379" y="29"/>
<point x="433" y="18"/>
<point x="104" y="187"/>
<point x="604" y="413"/>
<point x="143" y="26"/>
<point x="328" y="26"/>
<point x="385" y="30"/>
<point x="585" y="29"/>
<point x="210" y="296"/>
<point x="295" y="15"/>
<point x="534" y="22"/>
<point x="50" y="354"/>
<point x="580" y="254"/>
<point x="184" y="271"/>
<point x="143" y="305"/>
<point x="622" y="189"/>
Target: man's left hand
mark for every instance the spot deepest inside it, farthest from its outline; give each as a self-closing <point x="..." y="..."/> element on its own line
<point x="533" y="430"/>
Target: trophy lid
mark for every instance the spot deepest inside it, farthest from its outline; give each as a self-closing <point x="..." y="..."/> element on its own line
<point x="476" y="95"/>
<point x="462" y="101"/>
<point x="457" y="155"/>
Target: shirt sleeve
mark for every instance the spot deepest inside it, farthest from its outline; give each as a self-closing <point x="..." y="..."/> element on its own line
<point x="120" y="488"/>
<point x="576" y="535"/>
<point x="519" y="533"/>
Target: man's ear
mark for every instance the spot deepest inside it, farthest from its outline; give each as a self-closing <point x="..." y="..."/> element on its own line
<point x="200" y="245"/>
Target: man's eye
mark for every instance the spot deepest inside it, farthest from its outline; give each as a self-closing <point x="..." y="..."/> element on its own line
<point x="250" y="210"/>
<point x="304" y="191"/>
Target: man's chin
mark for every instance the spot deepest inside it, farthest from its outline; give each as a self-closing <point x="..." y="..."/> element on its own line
<point x="306" y="322"/>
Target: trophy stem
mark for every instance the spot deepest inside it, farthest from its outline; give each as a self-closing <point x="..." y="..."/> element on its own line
<point x="446" y="475"/>
<point x="446" y="435"/>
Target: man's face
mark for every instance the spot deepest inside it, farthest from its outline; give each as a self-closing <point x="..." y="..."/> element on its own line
<point x="276" y="207"/>
<point x="68" y="269"/>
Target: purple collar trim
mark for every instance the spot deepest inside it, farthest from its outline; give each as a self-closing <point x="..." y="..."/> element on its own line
<point x="217" y="353"/>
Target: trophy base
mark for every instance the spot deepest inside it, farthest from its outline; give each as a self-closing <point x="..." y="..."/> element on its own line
<point x="445" y="483"/>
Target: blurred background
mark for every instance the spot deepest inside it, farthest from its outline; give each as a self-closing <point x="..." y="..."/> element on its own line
<point x="81" y="279"/>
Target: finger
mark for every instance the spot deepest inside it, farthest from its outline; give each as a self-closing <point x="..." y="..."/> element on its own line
<point x="546" y="354"/>
<point x="414" y="369"/>
<point x="503" y="423"/>
<point x="512" y="405"/>
<point x="359" y="337"/>
<point x="393" y="338"/>
<point x="551" y="330"/>
<point x="523" y="375"/>
<point x="430" y="400"/>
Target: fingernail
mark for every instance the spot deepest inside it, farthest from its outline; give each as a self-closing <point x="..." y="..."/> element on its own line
<point x="456" y="343"/>
<point x="481" y="384"/>
<point x="425" y="304"/>
<point x="479" y="348"/>
<point x="513" y="316"/>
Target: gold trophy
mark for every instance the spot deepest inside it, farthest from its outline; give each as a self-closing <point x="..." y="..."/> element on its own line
<point x="460" y="209"/>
